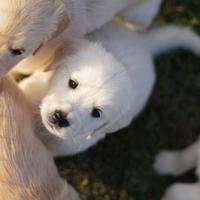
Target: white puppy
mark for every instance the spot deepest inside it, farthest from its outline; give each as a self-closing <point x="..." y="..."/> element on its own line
<point x="103" y="86"/>
<point x="29" y="24"/>
<point x="176" y="163"/>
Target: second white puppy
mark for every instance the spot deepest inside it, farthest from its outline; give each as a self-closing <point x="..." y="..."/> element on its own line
<point x="103" y="86"/>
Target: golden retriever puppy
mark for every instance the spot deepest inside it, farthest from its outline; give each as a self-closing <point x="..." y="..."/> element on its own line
<point x="27" y="170"/>
<point x="28" y="25"/>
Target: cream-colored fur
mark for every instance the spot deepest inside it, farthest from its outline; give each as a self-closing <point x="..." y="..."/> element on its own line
<point x="28" y="25"/>
<point x="27" y="170"/>
<point x="115" y="75"/>
<point x="176" y="163"/>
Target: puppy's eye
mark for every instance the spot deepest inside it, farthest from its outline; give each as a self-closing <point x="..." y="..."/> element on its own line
<point x="96" y="113"/>
<point x="16" y="52"/>
<point x="73" y="84"/>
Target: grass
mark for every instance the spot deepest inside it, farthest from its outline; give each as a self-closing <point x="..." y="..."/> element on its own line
<point x="119" y="168"/>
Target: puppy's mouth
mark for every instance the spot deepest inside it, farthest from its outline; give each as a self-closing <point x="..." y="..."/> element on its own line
<point x="52" y="128"/>
<point x="88" y="136"/>
<point x="74" y="136"/>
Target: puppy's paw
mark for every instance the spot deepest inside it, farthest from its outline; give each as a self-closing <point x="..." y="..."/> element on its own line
<point x="173" y="193"/>
<point x="165" y="163"/>
<point x="182" y="192"/>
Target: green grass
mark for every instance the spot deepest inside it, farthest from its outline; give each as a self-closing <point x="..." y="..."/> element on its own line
<point x="119" y="168"/>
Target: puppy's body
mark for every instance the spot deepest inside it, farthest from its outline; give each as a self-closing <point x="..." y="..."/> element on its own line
<point x="27" y="170"/>
<point x="89" y="15"/>
<point x="112" y="77"/>
<point x="29" y="25"/>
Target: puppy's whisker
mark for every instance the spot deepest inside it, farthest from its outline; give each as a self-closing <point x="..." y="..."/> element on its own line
<point x="75" y="139"/>
<point x="89" y="136"/>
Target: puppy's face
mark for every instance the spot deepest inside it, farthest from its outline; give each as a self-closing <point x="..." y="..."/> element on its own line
<point x="89" y="96"/>
<point x="26" y="26"/>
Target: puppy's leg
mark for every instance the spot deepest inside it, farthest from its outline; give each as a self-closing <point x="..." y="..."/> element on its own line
<point x="143" y="12"/>
<point x="177" y="162"/>
<point x="35" y="86"/>
<point x="183" y="192"/>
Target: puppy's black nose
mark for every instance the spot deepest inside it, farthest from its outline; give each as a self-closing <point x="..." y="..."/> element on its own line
<point x="59" y="118"/>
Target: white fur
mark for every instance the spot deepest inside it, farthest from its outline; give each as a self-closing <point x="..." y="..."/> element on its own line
<point x="176" y="163"/>
<point x="142" y="12"/>
<point x="183" y="192"/>
<point x="28" y="24"/>
<point x="160" y="40"/>
<point x="115" y="74"/>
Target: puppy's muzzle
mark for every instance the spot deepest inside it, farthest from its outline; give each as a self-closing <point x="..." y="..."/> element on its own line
<point x="59" y="118"/>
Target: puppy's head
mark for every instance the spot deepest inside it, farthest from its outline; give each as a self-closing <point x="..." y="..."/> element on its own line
<point x="90" y="95"/>
<point x="26" y="26"/>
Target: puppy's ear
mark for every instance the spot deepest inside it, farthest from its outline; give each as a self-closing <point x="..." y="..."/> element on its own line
<point x="62" y="26"/>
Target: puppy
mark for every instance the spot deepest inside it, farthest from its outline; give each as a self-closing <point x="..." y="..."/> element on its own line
<point x="103" y="86"/>
<point x="29" y="25"/>
<point x="27" y="170"/>
<point x="176" y="163"/>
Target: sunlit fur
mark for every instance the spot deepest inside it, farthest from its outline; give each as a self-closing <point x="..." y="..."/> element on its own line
<point x="27" y="170"/>
<point x="31" y="23"/>
<point x="115" y="74"/>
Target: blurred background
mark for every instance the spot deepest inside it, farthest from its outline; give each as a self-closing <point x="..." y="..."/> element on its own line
<point x="120" y="167"/>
